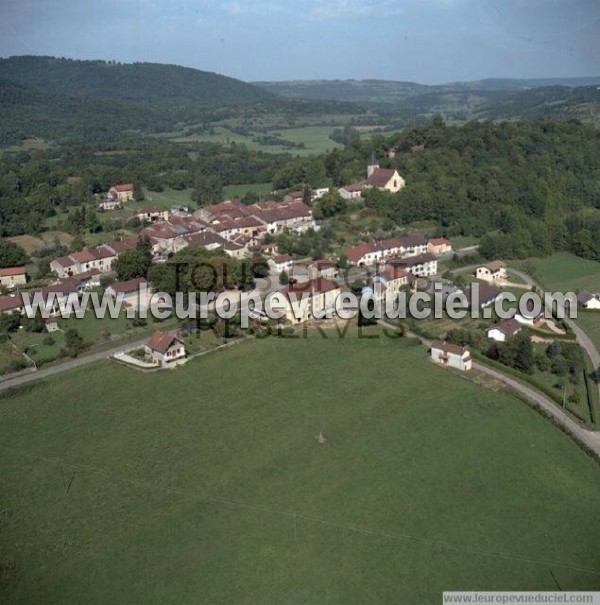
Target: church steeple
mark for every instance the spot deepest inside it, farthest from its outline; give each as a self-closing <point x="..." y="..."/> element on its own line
<point x="372" y="164"/>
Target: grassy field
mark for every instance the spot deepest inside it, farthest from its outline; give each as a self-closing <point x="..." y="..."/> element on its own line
<point x="263" y="189"/>
<point x="590" y="323"/>
<point x="565" y="272"/>
<point x="315" y="138"/>
<point x="206" y="484"/>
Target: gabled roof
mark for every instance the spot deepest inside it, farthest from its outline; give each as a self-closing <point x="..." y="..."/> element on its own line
<point x="123" y="188"/>
<point x="353" y="187"/>
<point x="495" y="266"/>
<point x="282" y="258"/>
<point x="162" y="341"/>
<point x="85" y="256"/>
<point x="447" y="347"/>
<point x="508" y="327"/>
<point x="131" y="285"/>
<point x="206" y="238"/>
<point x="123" y="245"/>
<point x="12" y="271"/>
<point x="487" y="293"/>
<point x="411" y="261"/>
<point x="583" y="298"/>
<point x="380" y="177"/>
<point x="10" y="303"/>
<point x="439" y="241"/>
<point x="64" y="261"/>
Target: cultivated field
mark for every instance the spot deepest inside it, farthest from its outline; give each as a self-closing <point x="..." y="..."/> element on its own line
<point x="206" y="484"/>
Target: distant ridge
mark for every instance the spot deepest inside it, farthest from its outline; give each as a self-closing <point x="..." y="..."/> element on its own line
<point x="152" y="83"/>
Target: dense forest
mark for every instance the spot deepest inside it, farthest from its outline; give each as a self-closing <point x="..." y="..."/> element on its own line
<point x="149" y="83"/>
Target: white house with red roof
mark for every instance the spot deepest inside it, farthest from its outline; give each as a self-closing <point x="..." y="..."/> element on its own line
<point x="13" y="276"/>
<point x="451" y="356"/>
<point x="122" y="193"/>
<point x="503" y="330"/>
<point x="165" y="348"/>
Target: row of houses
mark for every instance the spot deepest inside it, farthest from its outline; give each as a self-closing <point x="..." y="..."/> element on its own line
<point x="100" y="258"/>
<point x="369" y="253"/>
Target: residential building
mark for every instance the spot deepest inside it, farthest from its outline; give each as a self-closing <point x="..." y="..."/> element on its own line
<point x="305" y="300"/>
<point x="503" y="330"/>
<point x="51" y="324"/>
<point x="281" y="262"/>
<point x="481" y="295"/>
<point x="13" y="303"/>
<point x="135" y="293"/>
<point x="323" y="268"/>
<point x="588" y="301"/>
<point x="420" y="265"/>
<point x="494" y="271"/>
<point x="439" y="245"/>
<point x="152" y="215"/>
<point x="13" y="276"/>
<point x="352" y="191"/>
<point x="121" y="193"/>
<point x="165" y="348"/>
<point x="451" y="356"/>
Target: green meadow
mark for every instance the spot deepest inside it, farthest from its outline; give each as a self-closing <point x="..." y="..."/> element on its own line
<point x="207" y="484"/>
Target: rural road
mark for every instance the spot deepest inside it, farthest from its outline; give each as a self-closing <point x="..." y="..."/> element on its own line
<point x="589" y="438"/>
<point x="68" y="365"/>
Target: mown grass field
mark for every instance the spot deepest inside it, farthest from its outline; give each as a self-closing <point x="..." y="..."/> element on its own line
<point x="315" y="138"/>
<point x="590" y="323"/>
<point x="565" y="272"/>
<point x="206" y="484"/>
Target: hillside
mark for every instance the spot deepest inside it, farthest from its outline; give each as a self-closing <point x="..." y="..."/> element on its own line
<point x="152" y="83"/>
<point x="29" y="112"/>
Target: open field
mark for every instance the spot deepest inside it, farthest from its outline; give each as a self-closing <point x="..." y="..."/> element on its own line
<point x="315" y="139"/>
<point x="263" y="189"/>
<point x="590" y="323"/>
<point x="565" y="272"/>
<point x="205" y="484"/>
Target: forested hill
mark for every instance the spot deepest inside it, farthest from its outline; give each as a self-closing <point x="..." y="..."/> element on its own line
<point x="151" y="83"/>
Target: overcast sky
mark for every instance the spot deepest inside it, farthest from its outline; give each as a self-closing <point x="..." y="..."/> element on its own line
<point x="428" y="41"/>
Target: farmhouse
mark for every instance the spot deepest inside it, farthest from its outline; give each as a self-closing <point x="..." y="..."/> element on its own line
<point x="152" y="215"/>
<point x="121" y="193"/>
<point x="164" y="347"/>
<point x="504" y="329"/>
<point x="451" y="356"/>
<point x="13" y="276"/>
<point x="439" y="245"/>
<point x="494" y="271"/>
<point x="588" y="301"/>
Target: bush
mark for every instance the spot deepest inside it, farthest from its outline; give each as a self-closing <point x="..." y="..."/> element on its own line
<point x="48" y="341"/>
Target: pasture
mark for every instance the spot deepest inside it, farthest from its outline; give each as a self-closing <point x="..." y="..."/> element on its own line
<point x="206" y="484"/>
<point x="565" y="272"/>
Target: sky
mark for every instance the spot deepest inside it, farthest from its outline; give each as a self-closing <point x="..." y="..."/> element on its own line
<point x="426" y="41"/>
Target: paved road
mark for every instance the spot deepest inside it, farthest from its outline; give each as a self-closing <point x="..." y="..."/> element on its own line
<point x="69" y="365"/>
<point x="590" y="438"/>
